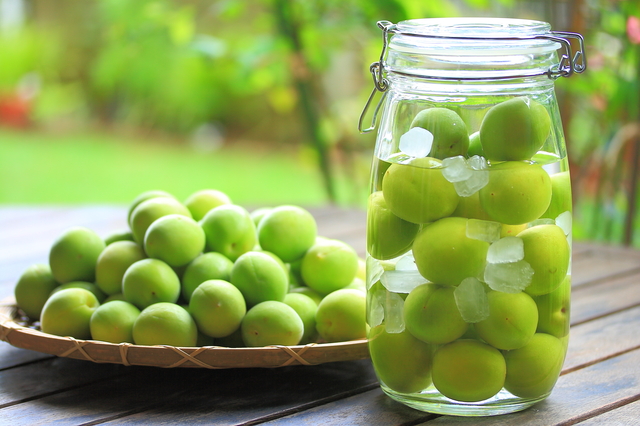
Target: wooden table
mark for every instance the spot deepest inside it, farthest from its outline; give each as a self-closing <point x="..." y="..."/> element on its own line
<point x="600" y="383"/>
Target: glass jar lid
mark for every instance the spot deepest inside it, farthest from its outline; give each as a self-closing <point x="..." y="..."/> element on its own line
<point x="472" y="36"/>
<point x="476" y="48"/>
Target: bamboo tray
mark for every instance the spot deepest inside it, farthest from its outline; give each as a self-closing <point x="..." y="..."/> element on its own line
<point x="212" y="357"/>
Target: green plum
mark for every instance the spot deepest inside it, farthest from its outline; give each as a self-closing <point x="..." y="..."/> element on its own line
<point x="388" y="236"/>
<point x="517" y="192"/>
<point x="554" y="309"/>
<point x="357" y="284"/>
<point x="314" y="295"/>
<point x="288" y="232"/>
<point x="229" y="230"/>
<point x="113" y="322"/>
<point x="560" y="195"/>
<point x="475" y="145"/>
<point x="217" y="307"/>
<point x="122" y="235"/>
<point x="401" y="362"/>
<point x="295" y="275"/>
<point x="33" y="289"/>
<point x="207" y="266"/>
<point x="306" y="309"/>
<point x="341" y="316"/>
<point x="234" y="340"/>
<point x="418" y="192"/>
<point x="68" y="313"/>
<point x="533" y="370"/>
<point x="548" y="252"/>
<point x="450" y="136"/>
<point x="147" y="195"/>
<point x="513" y="319"/>
<point x="511" y="230"/>
<point x="283" y="265"/>
<point x="514" y="130"/>
<point x="152" y="209"/>
<point x="470" y="208"/>
<point x="112" y="297"/>
<point x="444" y="254"/>
<point x="272" y="323"/>
<point x="431" y="314"/>
<point x="150" y="281"/>
<point x="113" y="262"/>
<point x="74" y="254"/>
<point x="165" y="323"/>
<point x="204" y="340"/>
<point x="468" y="370"/>
<point x="259" y="277"/>
<point x="99" y="294"/>
<point x="200" y="202"/>
<point x="379" y="168"/>
<point x="259" y="213"/>
<point x="174" y="239"/>
<point x="471" y="333"/>
<point x="329" y="266"/>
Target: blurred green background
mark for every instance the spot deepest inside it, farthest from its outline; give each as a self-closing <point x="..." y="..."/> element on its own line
<point x="101" y="100"/>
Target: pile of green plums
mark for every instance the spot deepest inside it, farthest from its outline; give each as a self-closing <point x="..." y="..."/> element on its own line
<point x="415" y="213"/>
<point x="197" y="273"/>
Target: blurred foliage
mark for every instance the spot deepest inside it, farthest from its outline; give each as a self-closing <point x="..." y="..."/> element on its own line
<point x="604" y="124"/>
<point x="274" y="70"/>
<point x="152" y="66"/>
<point x="606" y="96"/>
<point x="282" y="71"/>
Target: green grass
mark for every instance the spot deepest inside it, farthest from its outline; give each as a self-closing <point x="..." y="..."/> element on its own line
<point x="96" y="168"/>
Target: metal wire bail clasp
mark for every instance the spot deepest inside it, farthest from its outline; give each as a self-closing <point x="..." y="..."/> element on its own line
<point x="569" y="63"/>
<point x="380" y="84"/>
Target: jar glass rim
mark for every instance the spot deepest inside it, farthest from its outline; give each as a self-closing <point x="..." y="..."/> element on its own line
<point x="472" y="36"/>
<point x="474" y="27"/>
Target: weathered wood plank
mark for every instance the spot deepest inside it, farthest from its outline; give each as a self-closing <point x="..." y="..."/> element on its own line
<point x="594" y="341"/>
<point x="49" y="376"/>
<point x="19" y="213"/>
<point x="44" y="224"/>
<point x="625" y="415"/>
<point x="10" y="356"/>
<point x="603" y="264"/>
<point x="369" y="408"/>
<point x="604" y="298"/>
<point x="147" y="395"/>
<point x="138" y="389"/>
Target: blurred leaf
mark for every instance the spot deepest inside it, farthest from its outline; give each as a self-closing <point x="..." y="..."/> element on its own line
<point x="283" y="99"/>
<point x="209" y="46"/>
<point x="60" y="99"/>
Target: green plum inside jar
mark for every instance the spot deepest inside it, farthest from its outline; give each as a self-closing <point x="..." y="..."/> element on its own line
<point x="418" y="192"/>
<point x="388" y="236"/>
<point x="517" y="192"/>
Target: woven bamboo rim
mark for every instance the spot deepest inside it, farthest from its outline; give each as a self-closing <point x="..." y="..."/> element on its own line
<point x="211" y="357"/>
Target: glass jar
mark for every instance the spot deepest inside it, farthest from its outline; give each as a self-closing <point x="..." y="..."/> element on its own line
<point x="469" y="214"/>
